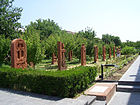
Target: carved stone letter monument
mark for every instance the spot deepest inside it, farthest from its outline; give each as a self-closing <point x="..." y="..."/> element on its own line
<point x="70" y="55"/>
<point x="114" y="51"/>
<point x="110" y="53"/>
<point x="61" y="56"/>
<point x="54" y="59"/>
<point x="83" y="55"/>
<point x="18" y="54"/>
<point x="95" y="53"/>
<point x="104" y="53"/>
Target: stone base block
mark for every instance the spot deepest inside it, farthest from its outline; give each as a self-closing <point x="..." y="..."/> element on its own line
<point x="102" y="91"/>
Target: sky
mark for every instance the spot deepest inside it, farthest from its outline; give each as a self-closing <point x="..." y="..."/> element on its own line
<point x="116" y="17"/>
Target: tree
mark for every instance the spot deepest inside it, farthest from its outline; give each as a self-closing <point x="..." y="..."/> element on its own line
<point x="4" y="48"/>
<point x="35" y="50"/>
<point x="89" y="33"/>
<point x="109" y="39"/>
<point x="137" y="44"/>
<point x="9" y="17"/>
<point x="46" y="27"/>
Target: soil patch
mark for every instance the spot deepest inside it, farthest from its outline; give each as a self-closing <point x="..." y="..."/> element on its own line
<point x="119" y="73"/>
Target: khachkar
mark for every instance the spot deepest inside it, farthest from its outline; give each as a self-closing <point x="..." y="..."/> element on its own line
<point x="118" y="52"/>
<point x="61" y="56"/>
<point x="114" y="51"/>
<point x="70" y="55"/>
<point x="104" y="53"/>
<point x="95" y="53"/>
<point x="18" y="54"/>
<point x="110" y="53"/>
<point x="83" y="55"/>
<point x="54" y="59"/>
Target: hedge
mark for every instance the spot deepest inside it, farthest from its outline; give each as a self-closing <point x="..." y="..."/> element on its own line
<point x="54" y="83"/>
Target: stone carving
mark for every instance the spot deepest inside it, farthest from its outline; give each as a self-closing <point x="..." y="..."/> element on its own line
<point x="95" y="53"/>
<point x="118" y="52"/>
<point x="83" y="55"/>
<point x="31" y="64"/>
<point x="110" y="53"/>
<point x="104" y="53"/>
<point x="54" y="59"/>
<point x="70" y="55"/>
<point x="18" y="54"/>
<point x="114" y="51"/>
<point x="61" y="56"/>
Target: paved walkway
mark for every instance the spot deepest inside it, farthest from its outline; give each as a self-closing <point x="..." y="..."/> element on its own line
<point x="12" y="97"/>
<point x="129" y="98"/>
<point x="133" y="73"/>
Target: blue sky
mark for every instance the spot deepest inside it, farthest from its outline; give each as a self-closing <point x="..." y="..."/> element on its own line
<point x="117" y="17"/>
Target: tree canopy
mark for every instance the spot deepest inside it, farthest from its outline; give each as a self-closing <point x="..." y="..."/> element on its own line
<point x="9" y="17"/>
<point x="108" y="39"/>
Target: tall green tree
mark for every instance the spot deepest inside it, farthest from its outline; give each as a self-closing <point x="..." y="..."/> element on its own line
<point x="9" y="17"/>
<point x="4" y="48"/>
<point x="89" y="33"/>
<point x="110" y="38"/>
<point x="46" y="27"/>
<point x="35" y="50"/>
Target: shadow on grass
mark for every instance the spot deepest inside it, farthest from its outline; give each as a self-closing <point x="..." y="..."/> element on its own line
<point x="48" y="67"/>
<point x="74" y="61"/>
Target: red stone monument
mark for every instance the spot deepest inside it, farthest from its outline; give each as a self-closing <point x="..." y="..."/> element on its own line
<point x="54" y="59"/>
<point x="104" y="53"/>
<point x="61" y="56"/>
<point x="70" y="55"/>
<point x="110" y="53"/>
<point x="118" y="52"/>
<point x="83" y="55"/>
<point x="114" y="51"/>
<point x="95" y="53"/>
<point x="18" y="54"/>
<point x="31" y="64"/>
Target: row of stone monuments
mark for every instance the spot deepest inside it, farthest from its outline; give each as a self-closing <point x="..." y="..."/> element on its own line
<point x="19" y="54"/>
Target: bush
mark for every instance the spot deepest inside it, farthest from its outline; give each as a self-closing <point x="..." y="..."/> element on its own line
<point x="59" y="83"/>
<point x="128" y="50"/>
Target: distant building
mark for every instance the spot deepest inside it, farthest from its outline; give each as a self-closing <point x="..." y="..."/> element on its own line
<point x="71" y="32"/>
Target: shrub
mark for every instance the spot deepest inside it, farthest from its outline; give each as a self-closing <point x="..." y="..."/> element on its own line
<point x="59" y="83"/>
<point x="128" y="50"/>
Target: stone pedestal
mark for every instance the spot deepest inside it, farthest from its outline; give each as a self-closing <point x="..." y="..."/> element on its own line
<point x="83" y="55"/>
<point x="61" y="56"/>
<point x="18" y="54"/>
<point x="102" y="91"/>
<point x="104" y="53"/>
<point x="54" y="59"/>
